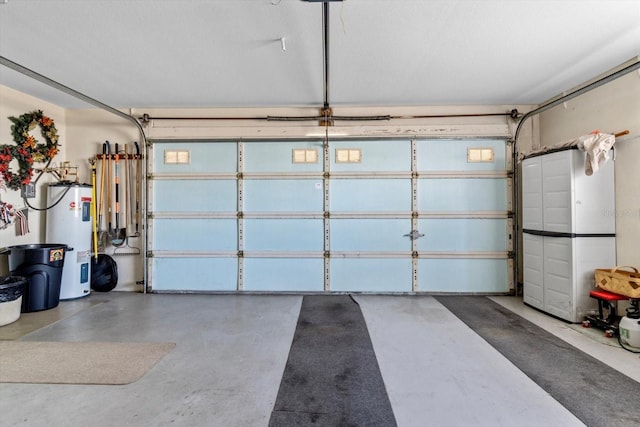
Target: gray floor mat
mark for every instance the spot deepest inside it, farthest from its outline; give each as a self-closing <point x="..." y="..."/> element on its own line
<point x="594" y="392"/>
<point x="332" y="377"/>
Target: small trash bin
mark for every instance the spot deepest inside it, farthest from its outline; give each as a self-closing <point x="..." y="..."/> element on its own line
<point x="41" y="265"/>
<point x="11" y="289"/>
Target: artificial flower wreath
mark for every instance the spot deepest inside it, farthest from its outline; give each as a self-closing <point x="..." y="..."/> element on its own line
<point x="27" y="150"/>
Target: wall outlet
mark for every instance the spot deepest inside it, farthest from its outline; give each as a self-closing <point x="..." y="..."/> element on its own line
<point x="29" y="191"/>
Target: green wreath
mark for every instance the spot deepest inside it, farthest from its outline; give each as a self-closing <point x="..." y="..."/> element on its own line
<point x="27" y="150"/>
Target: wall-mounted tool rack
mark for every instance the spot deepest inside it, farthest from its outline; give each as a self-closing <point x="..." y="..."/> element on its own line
<point x="119" y="156"/>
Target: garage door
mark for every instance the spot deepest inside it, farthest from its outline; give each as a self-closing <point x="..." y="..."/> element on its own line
<point x="386" y="215"/>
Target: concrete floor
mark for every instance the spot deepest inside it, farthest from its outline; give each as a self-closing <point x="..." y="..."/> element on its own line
<point x="232" y="349"/>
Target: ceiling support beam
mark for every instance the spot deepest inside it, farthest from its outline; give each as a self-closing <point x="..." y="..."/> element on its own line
<point x="66" y="89"/>
<point x="325" y="52"/>
<point x="514" y="114"/>
<point x="326" y="112"/>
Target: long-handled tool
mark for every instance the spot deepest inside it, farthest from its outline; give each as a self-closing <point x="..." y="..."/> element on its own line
<point x="94" y="207"/>
<point x="109" y="213"/>
<point x="117" y="238"/>
<point x="127" y="249"/>
<point x="138" y="186"/>
<point x="103" y="236"/>
<point x="128" y="188"/>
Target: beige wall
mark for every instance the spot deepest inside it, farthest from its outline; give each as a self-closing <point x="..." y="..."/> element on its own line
<point x="611" y="108"/>
<point x="14" y="103"/>
<point x="82" y="133"/>
<point x="88" y="129"/>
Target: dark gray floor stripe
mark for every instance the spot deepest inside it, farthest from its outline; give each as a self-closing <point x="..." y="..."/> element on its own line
<point x="332" y="377"/>
<point x="594" y="392"/>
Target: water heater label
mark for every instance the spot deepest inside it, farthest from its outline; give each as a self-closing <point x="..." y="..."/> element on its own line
<point x="86" y="211"/>
<point x="83" y="256"/>
<point x="84" y="273"/>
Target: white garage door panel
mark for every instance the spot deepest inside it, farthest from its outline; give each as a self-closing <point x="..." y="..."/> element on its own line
<point x="383" y="215"/>
<point x="194" y="235"/>
<point x="195" y="196"/>
<point x="463" y="275"/>
<point x="371" y="275"/>
<point x="283" y="195"/>
<point x="375" y="156"/>
<point x="463" y="234"/>
<point x="462" y="194"/>
<point x="370" y="195"/>
<point x="451" y="155"/>
<point x="362" y="235"/>
<point x="195" y="274"/>
<point x="278" y="274"/>
<point x="277" y="156"/>
<point x="203" y="157"/>
<point x="283" y="235"/>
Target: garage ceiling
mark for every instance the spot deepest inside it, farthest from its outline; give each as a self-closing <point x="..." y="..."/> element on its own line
<point x="240" y="53"/>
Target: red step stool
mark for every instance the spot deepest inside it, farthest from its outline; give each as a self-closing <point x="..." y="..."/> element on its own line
<point x="609" y="301"/>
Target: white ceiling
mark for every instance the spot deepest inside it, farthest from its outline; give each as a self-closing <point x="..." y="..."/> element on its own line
<point x="228" y="53"/>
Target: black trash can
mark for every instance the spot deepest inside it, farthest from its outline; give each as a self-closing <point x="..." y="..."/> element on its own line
<point x="41" y="265"/>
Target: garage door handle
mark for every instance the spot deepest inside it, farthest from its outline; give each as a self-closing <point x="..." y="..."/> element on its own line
<point x="414" y="235"/>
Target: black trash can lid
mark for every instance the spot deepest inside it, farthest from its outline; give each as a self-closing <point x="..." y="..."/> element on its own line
<point x="37" y="246"/>
<point x="11" y="288"/>
<point x="35" y="249"/>
<point x="7" y="282"/>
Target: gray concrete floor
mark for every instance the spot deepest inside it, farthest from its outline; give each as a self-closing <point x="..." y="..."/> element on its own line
<point x="231" y="352"/>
